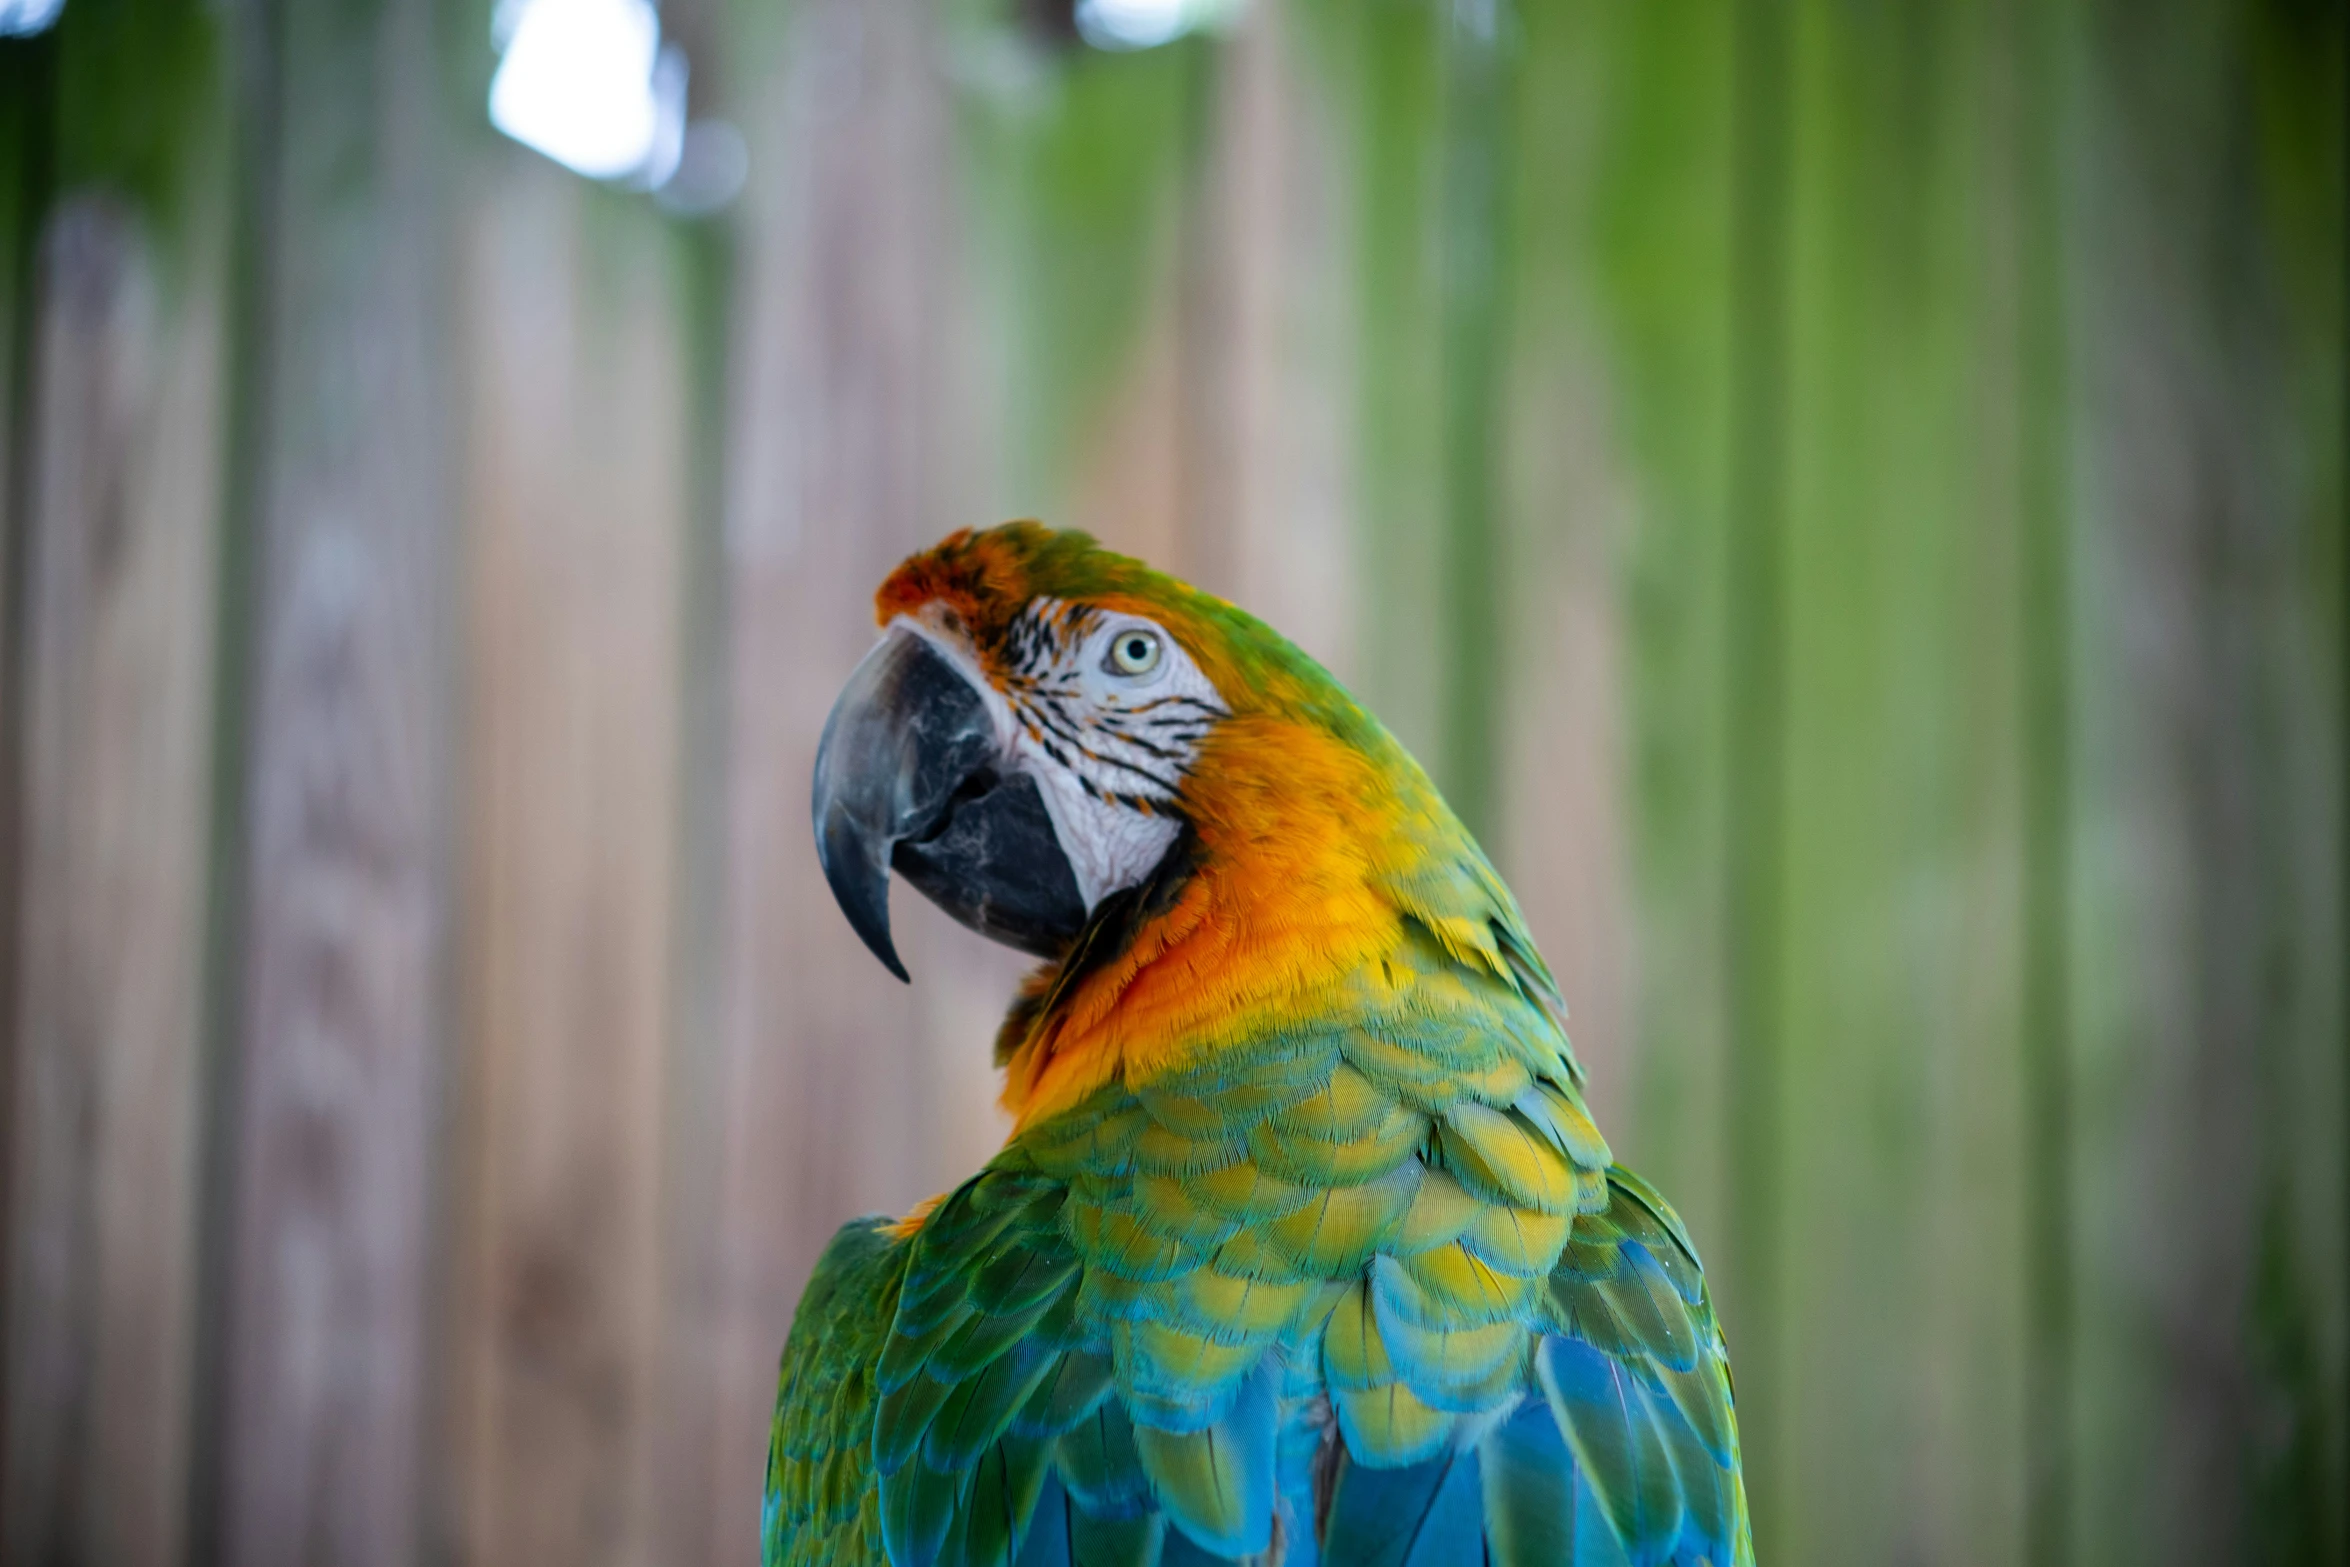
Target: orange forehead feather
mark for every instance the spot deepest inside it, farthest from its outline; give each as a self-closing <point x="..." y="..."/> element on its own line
<point x="982" y="577"/>
<point x="985" y="579"/>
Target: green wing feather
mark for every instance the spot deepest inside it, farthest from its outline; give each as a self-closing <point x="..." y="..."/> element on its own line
<point x="1637" y="1378"/>
<point x="822" y="1506"/>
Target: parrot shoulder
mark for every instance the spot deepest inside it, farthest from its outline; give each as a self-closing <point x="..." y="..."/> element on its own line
<point x="994" y="1428"/>
<point x="820" y="1505"/>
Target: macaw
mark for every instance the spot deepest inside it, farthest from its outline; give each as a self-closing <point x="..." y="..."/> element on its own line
<point x="1303" y="1247"/>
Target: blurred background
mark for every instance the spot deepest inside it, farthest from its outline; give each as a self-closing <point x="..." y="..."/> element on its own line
<point x="1845" y="495"/>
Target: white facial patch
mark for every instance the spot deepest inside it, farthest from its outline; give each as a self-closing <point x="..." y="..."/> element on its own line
<point x="1106" y="712"/>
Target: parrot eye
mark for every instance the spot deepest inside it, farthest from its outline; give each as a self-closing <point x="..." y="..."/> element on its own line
<point x="1133" y="653"/>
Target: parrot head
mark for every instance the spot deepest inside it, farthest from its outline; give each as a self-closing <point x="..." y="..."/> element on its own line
<point x="1017" y="744"/>
<point x="1090" y="761"/>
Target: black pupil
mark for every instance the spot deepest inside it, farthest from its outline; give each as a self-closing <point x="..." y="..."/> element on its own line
<point x="1136" y="650"/>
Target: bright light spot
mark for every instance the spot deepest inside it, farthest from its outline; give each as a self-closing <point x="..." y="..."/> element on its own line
<point x="1144" y="24"/>
<point x="23" y="18"/>
<point x="668" y="119"/>
<point x="587" y="83"/>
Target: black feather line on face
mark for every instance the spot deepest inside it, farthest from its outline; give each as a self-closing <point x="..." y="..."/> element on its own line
<point x="1069" y="733"/>
<point x="1143" y="773"/>
<point x="1147" y="748"/>
<point x="1048" y="717"/>
<point x="1203" y="712"/>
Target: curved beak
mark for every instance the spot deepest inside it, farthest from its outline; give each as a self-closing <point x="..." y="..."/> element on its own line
<point x="908" y="776"/>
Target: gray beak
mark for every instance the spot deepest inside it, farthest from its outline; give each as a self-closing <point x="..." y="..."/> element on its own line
<point x="908" y="776"/>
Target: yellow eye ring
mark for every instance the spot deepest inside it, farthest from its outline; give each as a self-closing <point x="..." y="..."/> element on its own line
<point x="1134" y="652"/>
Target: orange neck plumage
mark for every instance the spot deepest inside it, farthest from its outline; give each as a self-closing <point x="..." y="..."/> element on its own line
<point x="1286" y="902"/>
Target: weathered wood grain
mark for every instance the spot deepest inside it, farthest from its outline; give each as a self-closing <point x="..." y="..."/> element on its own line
<point x="1224" y="450"/>
<point x="345" y="858"/>
<point x="1389" y="66"/>
<point x="1276" y="524"/>
<point x="1566" y="507"/>
<point x="1635" y="112"/>
<point x="1902" y="1163"/>
<point x="2214" y="1286"/>
<point x="576" y="451"/>
<point x="25" y="121"/>
<point x="840" y="1091"/>
<point x="123" y="525"/>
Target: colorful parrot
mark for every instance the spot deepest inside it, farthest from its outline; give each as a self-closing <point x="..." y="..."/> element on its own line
<point x="1303" y="1247"/>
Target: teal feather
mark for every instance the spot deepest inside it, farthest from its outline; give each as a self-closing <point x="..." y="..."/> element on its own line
<point x="1073" y="1388"/>
<point x="1060" y="1534"/>
<point x="1021" y="1277"/>
<point x="918" y="1506"/>
<point x="981" y="1408"/>
<point x="1644" y="1217"/>
<point x="1216" y="1484"/>
<point x="983" y="1340"/>
<point x="1597" y="1544"/>
<point x="1653" y="1314"/>
<point x="1117" y="1542"/>
<point x="1612" y="1428"/>
<point x="1005" y="1484"/>
<point x="904" y="1419"/>
<point x="1100" y="1466"/>
<point x="1529" y="1479"/>
<point x="1420" y="1515"/>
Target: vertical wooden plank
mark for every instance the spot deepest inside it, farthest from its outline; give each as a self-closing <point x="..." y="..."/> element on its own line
<point x="1391" y="61"/>
<point x="113" y="511"/>
<point x="26" y="170"/>
<point x="123" y="527"/>
<point x="2028" y="153"/>
<point x="1903" y="1286"/>
<point x="1481" y="48"/>
<point x="1430" y="178"/>
<point x="343" y="863"/>
<point x="2210" y="1144"/>
<point x="1567" y="508"/>
<point x="1657" y="246"/>
<point x="1076" y="172"/>
<point x="1148" y="462"/>
<point x="1224" y="453"/>
<point x="841" y="1092"/>
<point x="1098" y="289"/>
<point x="1619" y="739"/>
<point x="1754" y="747"/>
<point x="577" y="495"/>
<point x="690" y="1530"/>
<point x="1276" y="527"/>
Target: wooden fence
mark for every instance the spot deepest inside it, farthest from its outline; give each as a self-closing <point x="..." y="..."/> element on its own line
<point x="1848" y="497"/>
